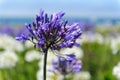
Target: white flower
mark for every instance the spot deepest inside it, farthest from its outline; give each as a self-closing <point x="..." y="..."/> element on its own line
<point x="74" y="50"/>
<point x="51" y="56"/>
<point x="9" y="43"/>
<point x="115" y="42"/>
<point x="49" y="75"/>
<point x="28" y="44"/>
<point x="84" y="75"/>
<point x="92" y="37"/>
<point x="116" y="71"/>
<point x="79" y="40"/>
<point x="32" y="55"/>
<point x="114" y="46"/>
<point x="8" y="59"/>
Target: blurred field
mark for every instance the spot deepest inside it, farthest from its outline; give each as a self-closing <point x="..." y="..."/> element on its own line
<point x="99" y="52"/>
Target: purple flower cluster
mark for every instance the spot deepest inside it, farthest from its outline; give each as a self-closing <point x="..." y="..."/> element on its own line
<point x="67" y="65"/>
<point x="51" y="32"/>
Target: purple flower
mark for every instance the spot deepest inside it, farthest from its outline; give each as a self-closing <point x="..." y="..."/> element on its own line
<point x="51" y="32"/>
<point x="67" y="65"/>
<point x="7" y="30"/>
<point x="87" y="26"/>
<point x="21" y="30"/>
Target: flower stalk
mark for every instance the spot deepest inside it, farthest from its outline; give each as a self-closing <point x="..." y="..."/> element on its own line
<point x="44" y="66"/>
<point x="64" y="77"/>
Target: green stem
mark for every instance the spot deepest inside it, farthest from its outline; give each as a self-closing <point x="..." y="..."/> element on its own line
<point x="64" y="77"/>
<point x="44" y="66"/>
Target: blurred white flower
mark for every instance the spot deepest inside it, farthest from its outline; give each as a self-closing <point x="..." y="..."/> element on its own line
<point x="116" y="71"/>
<point x="79" y="40"/>
<point x="8" y="59"/>
<point x="51" y="56"/>
<point x="9" y="43"/>
<point x="28" y="44"/>
<point x="92" y="37"/>
<point x="114" y="47"/>
<point x="32" y="55"/>
<point x="74" y="50"/>
<point x="50" y="75"/>
<point x="115" y="42"/>
<point x="84" y="75"/>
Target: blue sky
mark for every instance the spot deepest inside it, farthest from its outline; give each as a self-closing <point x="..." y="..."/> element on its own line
<point x="77" y="8"/>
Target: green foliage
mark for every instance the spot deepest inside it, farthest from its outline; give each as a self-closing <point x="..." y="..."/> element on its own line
<point x="99" y="60"/>
<point x="22" y="71"/>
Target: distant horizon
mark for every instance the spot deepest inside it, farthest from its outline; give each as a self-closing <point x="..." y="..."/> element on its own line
<point x="70" y="19"/>
<point x="65" y="17"/>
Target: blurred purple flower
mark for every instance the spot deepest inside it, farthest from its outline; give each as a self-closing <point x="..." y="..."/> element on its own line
<point x="67" y="65"/>
<point x="87" y="26"/>
<point x="7" y="31"/>
<point x="51" y="32"/>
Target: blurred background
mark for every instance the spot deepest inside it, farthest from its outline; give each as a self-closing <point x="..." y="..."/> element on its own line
<point x="100" y="41"/>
